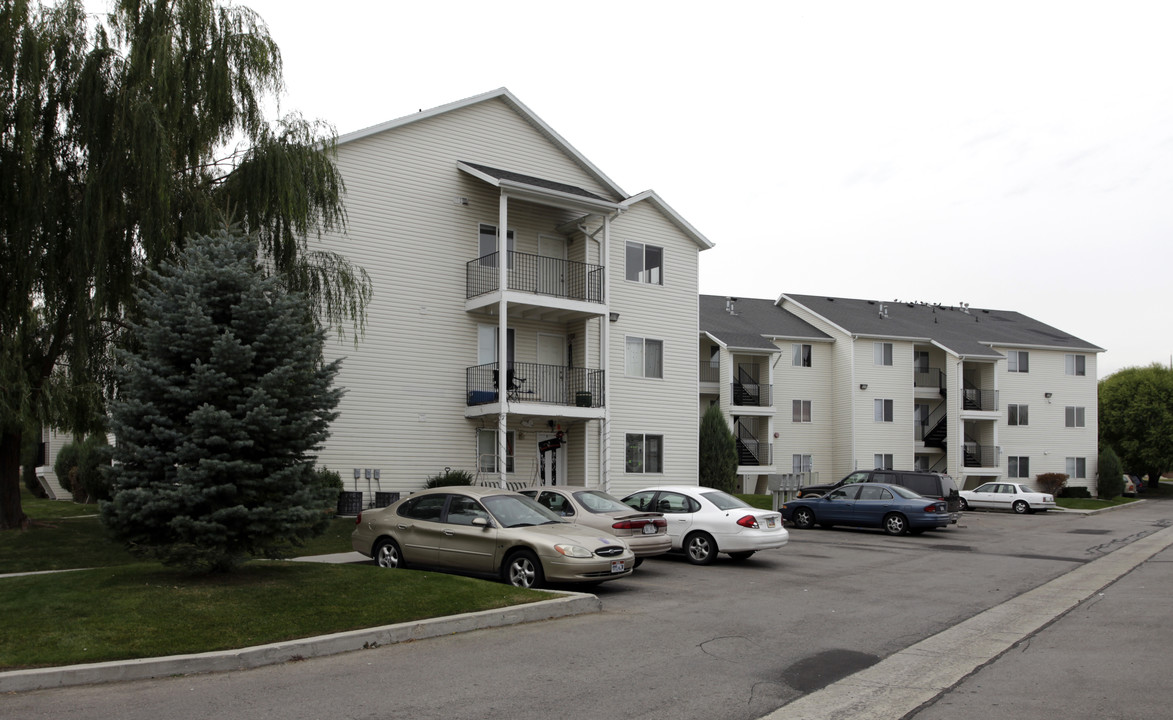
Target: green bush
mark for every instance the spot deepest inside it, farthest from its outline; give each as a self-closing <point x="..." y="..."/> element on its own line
<point x="65" y="465"/>
<point x="79" y="468"/>
<point x="448" y="478"/>
<point x="717" y="452"/>
<point x="1051" y="482"/>
<point x="328" y="478"/>
<point x="1111" y="481"/>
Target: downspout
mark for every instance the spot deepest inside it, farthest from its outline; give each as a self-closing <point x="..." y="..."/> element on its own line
<point x="854" y="409"/>
<point x="502" y="334"/>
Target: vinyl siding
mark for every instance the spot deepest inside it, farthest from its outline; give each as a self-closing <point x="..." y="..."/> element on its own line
<point x="812" y="383"/>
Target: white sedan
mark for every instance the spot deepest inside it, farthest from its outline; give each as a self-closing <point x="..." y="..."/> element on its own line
<point x="1006" y="496"/>
<point x="703" y="522"/>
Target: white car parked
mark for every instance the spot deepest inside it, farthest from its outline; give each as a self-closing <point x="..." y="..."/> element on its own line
<point x="703" y="522"/>
<point x="1007" y="496"/>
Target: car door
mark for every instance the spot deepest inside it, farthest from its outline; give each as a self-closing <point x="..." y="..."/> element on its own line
<point x="984" y="495"/>
<point x="680" y="511"/>
<point x="418" y="529"/>
<point x="838" y="506"/>
<point x="871" y="505"/>
<point x="463" y="545"/>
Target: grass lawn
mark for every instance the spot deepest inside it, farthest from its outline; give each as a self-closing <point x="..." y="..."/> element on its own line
<point x="146" y="610"/>
<point x="762" y="502"/>
<point x="121" y="608"/>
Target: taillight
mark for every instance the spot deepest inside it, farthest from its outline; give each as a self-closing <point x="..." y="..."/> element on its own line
<point x="629" y="524"/>
<point x="358" y="518"/>
<point x="933" y="508"/>
<point x="660" y="522"/>
<point x="749" y="521"/>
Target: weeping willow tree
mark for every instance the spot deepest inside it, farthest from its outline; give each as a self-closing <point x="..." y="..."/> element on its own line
<point x="120" y="136"/>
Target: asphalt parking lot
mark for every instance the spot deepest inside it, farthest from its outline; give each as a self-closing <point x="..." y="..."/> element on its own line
<point x="734" y="640"/>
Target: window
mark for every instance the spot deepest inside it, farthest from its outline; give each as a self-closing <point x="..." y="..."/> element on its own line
<point x="487" y="451"/>
<point x="1018" y="361"/>
<point x="802" y="411"/>
<point x="1073" y="416"/>
<point x="1075" y="365"/>
<point x="1076" y="467"/>
<point x="1017" y="414"/>
<point x="463" y="510"/>
<point x="883" y="410"/>
<point x="920" y="463"/>
<point x="802" y="355"/>
<point x="883" y="461"/>
<point x="801" y="464"/>
<point x="425" y="507"/>
<point x="920" y="361"/>
<point x="645" y="263"/>
<point x="645" y="358"/>
<point x="645" y="453"/>
<point x="1018" y="466"/>
<point x="882" y="353"/>
<point x="488" y="246"/>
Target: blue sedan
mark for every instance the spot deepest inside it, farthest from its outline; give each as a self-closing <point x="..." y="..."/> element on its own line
<point x="896" y="509"/>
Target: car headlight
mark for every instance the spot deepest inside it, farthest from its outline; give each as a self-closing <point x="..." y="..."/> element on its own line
<point x="574" y="551"/>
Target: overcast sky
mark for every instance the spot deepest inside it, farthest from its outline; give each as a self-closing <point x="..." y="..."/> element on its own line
<point x="1011" y="155"/>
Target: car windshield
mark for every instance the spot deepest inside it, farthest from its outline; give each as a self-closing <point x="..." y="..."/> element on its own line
<point x="904" y="492"/>
<point x="599" y="502"/>
<point x="724" y="501"/>
<point x="518" y="511"/>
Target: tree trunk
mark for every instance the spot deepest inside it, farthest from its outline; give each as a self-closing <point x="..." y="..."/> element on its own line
<point x="12" y="515"/>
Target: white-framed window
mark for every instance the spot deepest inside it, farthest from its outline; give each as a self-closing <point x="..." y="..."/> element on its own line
<point x="920" y="463"/>
<point x="881" y="353"/>
<point x="645" y="263"/>
<point x="1075" y="365"/>
<point x="1018" y="361"/>
<point x="1076" y="467"/>
<point x="645" y="453"/>
<point x="645" y="357"/>
<point x="1016" y="414"/>
<point x="801" y="464"/>
<point x="1073" y="416"/>
<point x="1018" y="466"/>
<point x="882" y="461"/>
<point x="488" y="246"/>
<point x="883" y="410"/>
<point x="802" y="411"/>
<point x="920" y="361"/>
<point x="802" y="355"/>
<point x="487" y="450"/>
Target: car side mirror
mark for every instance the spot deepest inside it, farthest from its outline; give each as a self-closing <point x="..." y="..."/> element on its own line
<point x="481" y="523"/>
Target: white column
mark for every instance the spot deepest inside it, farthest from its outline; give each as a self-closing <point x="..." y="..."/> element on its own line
<point x="502" y="333"/>
<point x="605" y="351"/>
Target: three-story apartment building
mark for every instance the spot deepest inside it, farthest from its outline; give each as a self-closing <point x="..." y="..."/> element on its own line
<point x="977" y="393"/>
<point x="565" y="354"/>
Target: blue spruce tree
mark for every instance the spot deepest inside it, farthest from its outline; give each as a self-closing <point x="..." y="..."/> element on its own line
<point x="222" y="404"/>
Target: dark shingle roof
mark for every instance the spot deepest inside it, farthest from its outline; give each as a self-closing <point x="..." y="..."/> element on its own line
<point x="968" y="332"/>
<point x="752" y="323"/>
<point x="535" y="181"/>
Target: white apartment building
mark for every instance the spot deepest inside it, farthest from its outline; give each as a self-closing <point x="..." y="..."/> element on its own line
<point x="594" y="292"/>
<point x="976" y="393"/>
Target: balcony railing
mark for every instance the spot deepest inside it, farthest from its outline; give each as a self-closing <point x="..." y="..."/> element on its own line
<point x="536" y="274"/>
<point x="752" y="394"/>
<point x="975" y="399"/>
<point x="929" y="378"/>
<point x="976" y="455"/>
<point x="710" y="372"/>
<point x="535" y="383"/>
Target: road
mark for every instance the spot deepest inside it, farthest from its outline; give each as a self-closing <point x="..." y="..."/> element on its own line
<point x="733" y="641"/>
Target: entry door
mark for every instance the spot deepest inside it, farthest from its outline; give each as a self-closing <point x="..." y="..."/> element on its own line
<point x="552" y="358"/>
<point x="552" y="463"/>
<point x="552" y="265"/>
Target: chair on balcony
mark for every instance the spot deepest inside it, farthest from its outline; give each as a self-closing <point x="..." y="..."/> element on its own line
<point x="513" y="388"/>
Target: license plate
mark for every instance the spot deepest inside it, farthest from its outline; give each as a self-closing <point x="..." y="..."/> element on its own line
<point x="617" y="566"/>
<point x="649" y="529"/>
<point x="770" y="522"/>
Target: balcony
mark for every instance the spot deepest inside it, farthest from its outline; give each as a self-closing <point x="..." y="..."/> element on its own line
<point x="746" y="394"/>
<point x="979" y="400"/>
<point x="983" y="456"/>
<point x="535" y="383"/>
<point x="710" y="372"/>
<point x="537" y="275"/>
<point x="929" y="378"/>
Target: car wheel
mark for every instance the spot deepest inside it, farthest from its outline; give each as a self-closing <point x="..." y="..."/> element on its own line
<point x="387" y="554"/>
<point x="895" y="524"/>
<point x="1021" y="507"/>
<point x="803" y="518"/>
<point x="523" y="570"/>
<point x="964" y="504"/>
<point x="742" y="555"/>
<point x="700" y="548"/>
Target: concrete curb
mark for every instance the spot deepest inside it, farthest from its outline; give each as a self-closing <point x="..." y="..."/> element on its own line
<point x="1073" y="511"/>
<point x="567" y="604"/>
<point x="907" y="680"/>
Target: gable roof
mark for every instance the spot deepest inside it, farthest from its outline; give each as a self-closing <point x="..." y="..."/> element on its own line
<point x="753" y="323"/>
<point x="674" y="217"/>
<point x="967" y="332"/>
<point x="517" y="106"/>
